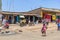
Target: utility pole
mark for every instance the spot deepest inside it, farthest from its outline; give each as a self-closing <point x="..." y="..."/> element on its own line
<point x="0" y="13"/>
<point x="0" y="5"/>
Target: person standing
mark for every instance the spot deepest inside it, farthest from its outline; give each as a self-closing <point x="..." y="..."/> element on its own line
<point x="4" y="22"/>
<point x="58" y="24"/>
<point x="6" y="25"/>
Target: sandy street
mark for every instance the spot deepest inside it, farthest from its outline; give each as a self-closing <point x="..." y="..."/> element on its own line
<point x="33" y="33"/>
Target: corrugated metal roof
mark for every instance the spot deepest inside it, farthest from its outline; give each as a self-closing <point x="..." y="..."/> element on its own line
<point x="50" y="9"/>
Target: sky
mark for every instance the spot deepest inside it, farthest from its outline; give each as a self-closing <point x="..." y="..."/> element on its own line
<point x="27" y="5"/>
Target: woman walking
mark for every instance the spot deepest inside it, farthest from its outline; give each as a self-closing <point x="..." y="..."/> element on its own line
<point x="43" y="30"/>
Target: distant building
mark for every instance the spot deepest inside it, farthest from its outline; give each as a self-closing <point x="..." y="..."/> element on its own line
<point x="33" y="15"/>
<point x="50" y="13"/>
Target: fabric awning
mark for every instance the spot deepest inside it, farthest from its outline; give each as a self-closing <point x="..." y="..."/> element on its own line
<point x="22" y="17"/>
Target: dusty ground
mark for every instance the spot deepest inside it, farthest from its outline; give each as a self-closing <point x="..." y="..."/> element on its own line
<point x="33" y="33"/>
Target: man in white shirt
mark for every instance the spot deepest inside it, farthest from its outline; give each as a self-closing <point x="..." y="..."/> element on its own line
<point x="4" y="21"/>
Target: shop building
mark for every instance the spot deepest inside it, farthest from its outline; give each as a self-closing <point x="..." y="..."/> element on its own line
<point x="50" y="14"/>
<point x="33" y="15"/>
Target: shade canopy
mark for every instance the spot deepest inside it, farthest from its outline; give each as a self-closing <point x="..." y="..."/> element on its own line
<point x="22" y="17"/>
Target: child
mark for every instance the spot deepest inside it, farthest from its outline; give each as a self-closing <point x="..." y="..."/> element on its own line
<point x="43" y="30"/>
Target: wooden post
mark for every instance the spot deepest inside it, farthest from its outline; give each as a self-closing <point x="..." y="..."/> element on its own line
<point x="33" y="19"/>
<point x="29" y="17"/>
<point x="41" y="14"/>
<point x="17" y="18"/>
<point x="29" y="20"/>
<point x="12" y="19"/>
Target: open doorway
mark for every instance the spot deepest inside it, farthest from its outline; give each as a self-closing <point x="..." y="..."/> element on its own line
<point x="10" y="19"/>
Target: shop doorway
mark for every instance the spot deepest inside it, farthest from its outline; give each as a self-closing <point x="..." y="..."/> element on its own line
<point x="10" y="19"/>
<point x="47" y="16"/>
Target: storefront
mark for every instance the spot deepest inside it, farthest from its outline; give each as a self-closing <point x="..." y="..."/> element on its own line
<point x="47" y="16"/>
<point x="50" y="15"/>
<point x="12" y="19"/>
<point x="58" y="17"/>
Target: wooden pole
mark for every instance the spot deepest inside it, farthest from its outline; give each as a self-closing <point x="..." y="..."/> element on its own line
<point x="33" y="18"/>
<point x="0" y="20"/>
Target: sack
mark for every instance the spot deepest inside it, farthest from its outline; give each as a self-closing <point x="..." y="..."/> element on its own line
<point x="43" y="29"/>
